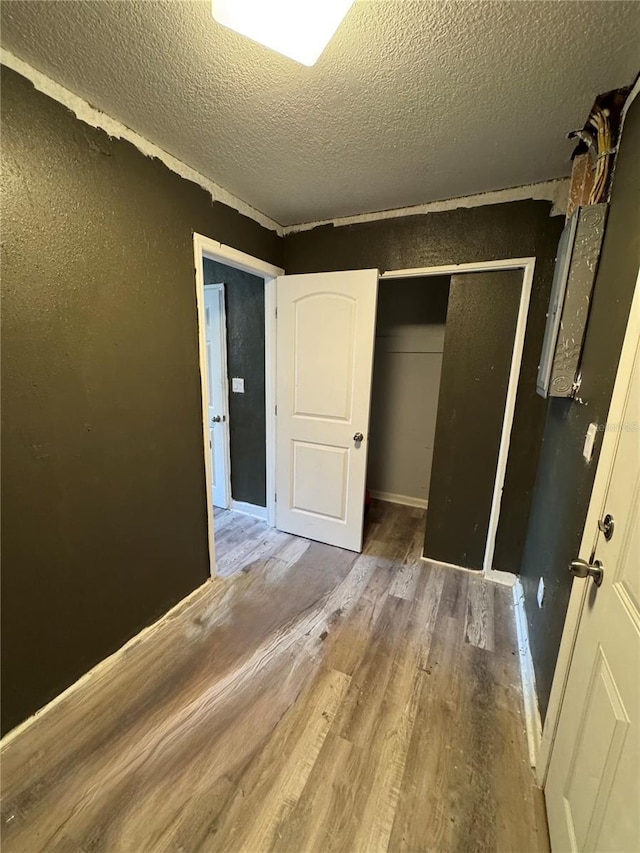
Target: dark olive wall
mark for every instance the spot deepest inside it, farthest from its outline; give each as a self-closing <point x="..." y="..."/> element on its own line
<point x="103" y="500"/>
<point x="481" y="324"/>
<point x="244" y="304"/>
<point x="565" y="480"/>
<point x="513" y="230"/>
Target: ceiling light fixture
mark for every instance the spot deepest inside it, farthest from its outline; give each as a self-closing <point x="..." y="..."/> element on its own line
<point x="299" y="29"/>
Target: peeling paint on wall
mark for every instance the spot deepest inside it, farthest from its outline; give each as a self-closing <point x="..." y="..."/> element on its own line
<point x="555" y="191"/>
<point x="95" y="118"/>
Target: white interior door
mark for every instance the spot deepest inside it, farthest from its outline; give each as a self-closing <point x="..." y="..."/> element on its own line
<point x="326" y="328"/>
<point x="216" y="337"/>
<point x="593" y="786"/>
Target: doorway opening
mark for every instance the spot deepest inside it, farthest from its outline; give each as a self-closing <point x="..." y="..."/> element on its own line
<point x="478" y="353"/>
<point x="235" y="322"/>
<point x="410" y="333"/>
<point x="235" y="296"/>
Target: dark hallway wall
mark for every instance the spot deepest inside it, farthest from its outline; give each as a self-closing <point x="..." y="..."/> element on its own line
<point x="244" y="305"/>
<point x="481" y="324"/>
<point x="565" y="479"/>
<point x="103" y="500"/>
<point x="513" y="230"/>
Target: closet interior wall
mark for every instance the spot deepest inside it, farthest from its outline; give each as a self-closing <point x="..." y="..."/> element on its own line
<point x="410" y="333"/>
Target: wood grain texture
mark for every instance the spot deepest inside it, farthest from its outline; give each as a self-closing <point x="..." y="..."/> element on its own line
<point x="317" y="700"/>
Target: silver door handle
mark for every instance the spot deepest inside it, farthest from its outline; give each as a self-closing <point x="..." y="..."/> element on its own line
<point x="582" y="569"/>
<point x="358" y="437"/>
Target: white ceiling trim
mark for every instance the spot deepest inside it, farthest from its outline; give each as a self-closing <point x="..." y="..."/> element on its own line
<point x="555" y="191"/>
<point x="95" y="118"/>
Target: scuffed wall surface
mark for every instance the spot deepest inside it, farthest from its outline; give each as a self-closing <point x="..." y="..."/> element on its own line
<point x="104" y="515"/>
<point x="476" y="363"/>
<point x="564" y="482"/>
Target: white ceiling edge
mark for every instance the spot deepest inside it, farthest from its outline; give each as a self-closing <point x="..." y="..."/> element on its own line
<point x="95" y="118"/>
<point x="556" y="191"/>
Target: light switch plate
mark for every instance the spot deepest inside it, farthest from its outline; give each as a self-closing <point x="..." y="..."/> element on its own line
<point x="590" y="437"/>
<point x="237" y="385"/>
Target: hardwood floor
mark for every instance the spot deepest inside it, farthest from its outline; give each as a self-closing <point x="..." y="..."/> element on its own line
<point x="318" y="700"/>
<point x="242" y="540"/>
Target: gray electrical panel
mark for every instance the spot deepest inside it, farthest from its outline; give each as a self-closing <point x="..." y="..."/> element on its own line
<point x="573" y="279"/>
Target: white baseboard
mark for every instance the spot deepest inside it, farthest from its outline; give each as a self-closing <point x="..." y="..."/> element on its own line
<point x="260" y="512"/>
<point x="527" y="675"/>
<point x="102" y="666"/>
<point x="503" y="578"/>
<point x="424" y="557"/>
<point x="405" y="500"/>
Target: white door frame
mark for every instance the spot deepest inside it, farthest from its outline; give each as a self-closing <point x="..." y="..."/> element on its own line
<point x="527" y="266"/>
<point x="225" y="393"/>
<point x="205" y="247"/>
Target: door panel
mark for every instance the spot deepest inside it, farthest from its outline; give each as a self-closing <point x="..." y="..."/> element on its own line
<point x="215" y="328"/>
<point x="319" y="479"/>
<point x="596" y="753"/>
<point x="323" y="386"/>
<point x="326" y="325"/>
<point x="593" y="787"/>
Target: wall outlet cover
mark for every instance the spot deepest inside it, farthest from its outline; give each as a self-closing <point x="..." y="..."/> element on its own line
<point x="237" y="385"/>
<point x="540" y="595"/>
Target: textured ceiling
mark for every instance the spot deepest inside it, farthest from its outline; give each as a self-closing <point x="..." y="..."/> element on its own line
<point x="412" y="101"/>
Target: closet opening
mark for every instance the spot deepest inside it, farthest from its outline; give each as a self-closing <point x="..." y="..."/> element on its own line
<point x="448" y="351"/>
<point x="409" y="345"/>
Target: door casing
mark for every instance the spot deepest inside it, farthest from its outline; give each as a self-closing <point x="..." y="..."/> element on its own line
<point x="205" y="247"/>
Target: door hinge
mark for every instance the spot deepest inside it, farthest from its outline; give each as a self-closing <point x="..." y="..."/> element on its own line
<point x="276" y="408"/>
<point x="275" y="498"/>
<point x="276" y="312"/>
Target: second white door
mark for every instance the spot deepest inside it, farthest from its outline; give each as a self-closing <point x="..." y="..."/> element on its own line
<point x="326" y="327"/>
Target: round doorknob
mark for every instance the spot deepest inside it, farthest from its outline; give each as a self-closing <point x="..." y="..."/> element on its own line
<point x="358" y="437"/>
<point x="582" y="569"/>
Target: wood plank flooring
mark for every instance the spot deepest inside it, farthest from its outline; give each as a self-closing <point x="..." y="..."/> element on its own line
<point x="317" y="700"/>
<point x="242" y="541"/>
